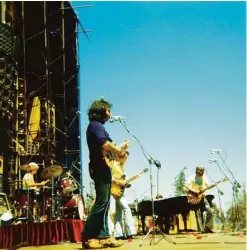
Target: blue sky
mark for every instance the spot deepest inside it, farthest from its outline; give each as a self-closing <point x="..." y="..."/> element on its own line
<point x="176" y="71"/>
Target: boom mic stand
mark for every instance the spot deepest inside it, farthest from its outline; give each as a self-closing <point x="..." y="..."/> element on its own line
<point x="219" y="210"/>
<point x="158" y="170"/>
<point x="235" y="187"/>
<point x="158" y="165"/>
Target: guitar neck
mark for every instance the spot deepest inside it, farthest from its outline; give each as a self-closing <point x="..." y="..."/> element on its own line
<point x="134" y="177"/>
<point x="211" y="186"/>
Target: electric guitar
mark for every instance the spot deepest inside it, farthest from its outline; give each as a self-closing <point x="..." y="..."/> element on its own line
<point x="117" y="190"/>
<point x="194" y="198"/>
<point x="112" y="159"/>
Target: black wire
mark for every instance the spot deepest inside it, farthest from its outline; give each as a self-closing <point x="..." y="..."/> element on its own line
<point x="144" y="151"/>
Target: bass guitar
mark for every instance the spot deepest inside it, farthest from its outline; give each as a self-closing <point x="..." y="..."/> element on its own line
<point x="194" y="198"/>
<point x="117" y="190"/>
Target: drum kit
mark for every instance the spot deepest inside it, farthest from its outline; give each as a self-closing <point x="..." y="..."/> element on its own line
<point x="58" y="200"/>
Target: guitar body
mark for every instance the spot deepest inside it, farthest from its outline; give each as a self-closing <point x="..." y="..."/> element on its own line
<point x="194" y="198"/>
<point x="116" y="190"/>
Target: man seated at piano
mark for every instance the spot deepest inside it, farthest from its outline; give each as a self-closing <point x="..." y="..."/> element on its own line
<point x="195" y="185"/>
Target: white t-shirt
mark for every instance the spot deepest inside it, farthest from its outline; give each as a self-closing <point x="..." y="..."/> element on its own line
<point x="194" y="182"/>
<point x="27" y="178"/>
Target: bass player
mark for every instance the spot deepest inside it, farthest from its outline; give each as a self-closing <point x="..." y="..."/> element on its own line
<point x="195" y="184"/>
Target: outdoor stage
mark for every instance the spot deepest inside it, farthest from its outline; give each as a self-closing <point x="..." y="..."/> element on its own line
<point x="41" y="233"/>
<point x="183" y="242"/>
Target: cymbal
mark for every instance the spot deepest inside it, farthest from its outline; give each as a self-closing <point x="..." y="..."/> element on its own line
<point x="52" y="171"/>
<point x="24" y="167"/>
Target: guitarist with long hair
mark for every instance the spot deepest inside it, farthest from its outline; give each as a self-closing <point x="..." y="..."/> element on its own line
<point x="96" y="231"/>
<point x="121" y="204"/>
<point x="195" y="186"/>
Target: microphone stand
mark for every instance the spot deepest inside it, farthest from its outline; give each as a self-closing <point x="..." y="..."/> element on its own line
<point x="235" y="187"/>
<point x="158" y="169"/>
<point x="136" y="200"/>
<point x="218" y="211"/>
<point x="151" y="162"/>
<point x="227" y="168"/>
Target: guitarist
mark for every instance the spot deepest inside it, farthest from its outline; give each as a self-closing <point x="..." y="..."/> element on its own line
<point x="199" y="180"/>
<point x="122" y="208"/>
<point x="96" y="231"/>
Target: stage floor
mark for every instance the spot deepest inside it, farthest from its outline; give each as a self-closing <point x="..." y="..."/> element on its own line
<point x="183" y="241"/>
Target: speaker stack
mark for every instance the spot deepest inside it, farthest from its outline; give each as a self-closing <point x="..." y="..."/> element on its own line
<point x="8" y="71"/>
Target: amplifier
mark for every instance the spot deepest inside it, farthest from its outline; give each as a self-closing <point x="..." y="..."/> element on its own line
<point x="4" y="203"/>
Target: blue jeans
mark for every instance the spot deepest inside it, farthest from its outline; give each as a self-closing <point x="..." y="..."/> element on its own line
<point x="205" y="218"/>
<point x="122" y="207"/>
<point x="97" y="222"/>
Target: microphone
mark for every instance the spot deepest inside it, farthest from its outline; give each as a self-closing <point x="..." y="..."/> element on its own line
<point x="216" y="150"/>
<point x="237" y="184"/>
<point x="213" y="161"/>
<point x="116" y="118"/>
<point x="220" y="192"/>
<point x="157" y="163"/>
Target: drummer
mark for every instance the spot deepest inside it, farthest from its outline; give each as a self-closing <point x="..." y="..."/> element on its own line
<point x="28" y="179"/>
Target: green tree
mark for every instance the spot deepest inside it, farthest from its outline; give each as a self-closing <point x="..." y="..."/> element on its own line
<point x="179" y="184"/>
<point x="236" y="214"/>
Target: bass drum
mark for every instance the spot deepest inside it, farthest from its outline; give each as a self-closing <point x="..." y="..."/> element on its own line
<point x="68" y="185"/>
<point x="73" y="207"/>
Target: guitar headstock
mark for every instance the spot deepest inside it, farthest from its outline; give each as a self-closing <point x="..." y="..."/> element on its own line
<point x="145" y="170"/>
<point x="225" y="179"/>
<point x="125" y="145"/>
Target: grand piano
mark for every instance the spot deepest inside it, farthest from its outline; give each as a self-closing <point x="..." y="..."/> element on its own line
<point x="165" y="208"/>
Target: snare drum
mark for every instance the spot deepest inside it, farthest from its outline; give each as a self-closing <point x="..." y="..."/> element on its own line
<point x="68" y="185"/>
<point x="73" y="207"/>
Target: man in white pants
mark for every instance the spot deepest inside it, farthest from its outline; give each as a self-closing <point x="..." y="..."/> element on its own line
<point x="122" y="210"/>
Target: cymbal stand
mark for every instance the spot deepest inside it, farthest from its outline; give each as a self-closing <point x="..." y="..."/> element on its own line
<point x="28" y="211"/>
<point x="77" y="183"/>
<point x="52" y="199"/>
